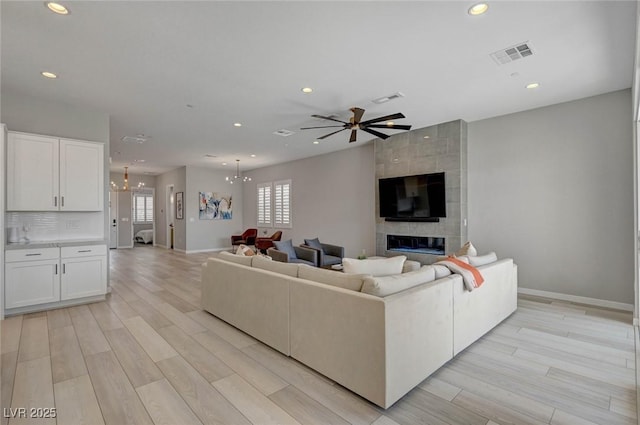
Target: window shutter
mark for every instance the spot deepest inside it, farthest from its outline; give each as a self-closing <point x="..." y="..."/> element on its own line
<point x="264" y="204"/>
<point x="282" y="203"/>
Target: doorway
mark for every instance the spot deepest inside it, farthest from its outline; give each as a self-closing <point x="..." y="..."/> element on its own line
<point x="143" y="226"/>
<point x="170" y="216"/>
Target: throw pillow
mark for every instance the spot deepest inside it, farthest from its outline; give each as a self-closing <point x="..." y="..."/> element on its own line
<point x="287" y="247"/>
<point x="387" y="285"/>
<point x="467" y="249"/>
<point x="374" y="267"/>
<point x="313" y="243"/>
<point x="244" y="250"/>
<point x="481" y="260"/>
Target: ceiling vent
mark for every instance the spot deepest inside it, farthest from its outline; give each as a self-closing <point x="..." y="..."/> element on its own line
<point x="283" y="132"/>
<point x="138" y="138"/>
<point x="386" y="99"/>
<point x="513" y="53"/>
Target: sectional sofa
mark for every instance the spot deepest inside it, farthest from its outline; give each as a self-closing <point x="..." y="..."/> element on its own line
<point x="379" y="347"/>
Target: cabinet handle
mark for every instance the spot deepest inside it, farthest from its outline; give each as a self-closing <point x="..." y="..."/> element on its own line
<point x="64" y="269"/>
<point x="32" y="255"/>
<point x="56" y="269"/>
<point x="62" y="201"/>
<point x="84" y="250"/>
<point x="55" y="201"/>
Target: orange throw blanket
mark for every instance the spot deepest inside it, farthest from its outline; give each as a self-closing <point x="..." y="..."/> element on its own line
<point x="470" y="275"/>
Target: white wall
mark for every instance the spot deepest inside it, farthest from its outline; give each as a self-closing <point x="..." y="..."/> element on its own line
<point x="553" y="188"/>
<point x="332" y="198"/>
<point x="211" y="234"/>
<point x="177" y="178"/>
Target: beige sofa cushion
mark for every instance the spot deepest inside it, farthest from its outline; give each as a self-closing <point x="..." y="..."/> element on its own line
<point x="481" y="260"/>
<point x="288" y="269"/>
<point x="233" y="258"/>
<point x="374" y="267"/>
<point x="330" y="277"/>
<point x="410" y="266"/>
<point x="387" y="285"/>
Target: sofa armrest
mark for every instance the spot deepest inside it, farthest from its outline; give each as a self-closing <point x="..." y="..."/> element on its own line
<point x="335" y="250"/>
<point x="276" y="255"/>
<point x="308" y="254"/>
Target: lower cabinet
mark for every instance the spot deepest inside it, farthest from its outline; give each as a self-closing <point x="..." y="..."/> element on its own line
<point x="51" y="275"/>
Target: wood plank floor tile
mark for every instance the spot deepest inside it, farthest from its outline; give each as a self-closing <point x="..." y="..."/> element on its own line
<point x="66" y="357"/>
<point x="440" y="388"/>
<point x="10" y="329"/>
<point x="205" y="401"/>
<point x="119" y="402"/>
<point x="58" y="318"/>
<point x="494" y="410"/>
<point x="34" y="339"/>
<point x="120" y="307"/>
<point x="136" y="363"/>
<point x="106" y="318"/>
<point x="8" y="364"/>
<point x="303" y="408"/>
<point x="564" y="418"/>
<point x="33" y="389"/>
<point x="155" y="346"/>
<point x="165" y="405"/>
<point x="76" y="402"/>
<point x="205" y="362"/>
<point x="89" y="334"/>
<point x="234" y="336"/>
<point x="184" y="322"/>
<point x="150" y="314"/>
<point x="252" y="403"/>
<point x="385" y="420"/>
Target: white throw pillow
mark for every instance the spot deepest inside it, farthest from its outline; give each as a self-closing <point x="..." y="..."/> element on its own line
<point x="441" y="271"/>
<point x="374" y="267"/>
<point x="387" y="285"/>
<point x="410" y="266"/>
<point x="481" y="260"/>
<point x="467" y="249"/>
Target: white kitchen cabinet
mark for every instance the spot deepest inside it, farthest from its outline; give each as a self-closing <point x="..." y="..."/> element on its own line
<point x="84" y="271"/>
<point x="50" y="174"/>
<point x="32" y="172"/>
<point x="32" y="277"/>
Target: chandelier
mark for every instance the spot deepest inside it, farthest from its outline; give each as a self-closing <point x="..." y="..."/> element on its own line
<point x="237" y="177"/>
<point x="125" y="185"/>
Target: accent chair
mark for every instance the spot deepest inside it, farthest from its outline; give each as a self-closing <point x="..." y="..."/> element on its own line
<point x="328" y="254"/>
<point x="248" y="237"/>
<point x="264" y="243"/>
<point x="285" y="252"/>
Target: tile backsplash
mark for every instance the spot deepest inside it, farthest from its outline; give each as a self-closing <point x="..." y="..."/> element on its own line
<point x="56" y="226"/>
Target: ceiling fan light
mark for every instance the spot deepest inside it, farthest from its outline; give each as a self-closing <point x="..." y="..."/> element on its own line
<point x="478" y="9"/>
<point x="306" y="90"/>
<point x="57" y="8"/>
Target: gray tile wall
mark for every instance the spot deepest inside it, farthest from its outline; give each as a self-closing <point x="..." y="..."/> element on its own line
<point x="410" y="153"/>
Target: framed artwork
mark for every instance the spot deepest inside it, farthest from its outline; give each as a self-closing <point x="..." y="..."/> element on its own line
<point x="180" y="205"/>
<point x="214" y="206"/>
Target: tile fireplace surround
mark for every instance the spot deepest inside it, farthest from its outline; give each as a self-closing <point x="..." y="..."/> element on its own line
<point x="441" y="147"/>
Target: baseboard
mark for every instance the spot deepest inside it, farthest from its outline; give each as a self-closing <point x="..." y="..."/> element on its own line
<point x="197" y="251"/>
<point x="575" y="298"/>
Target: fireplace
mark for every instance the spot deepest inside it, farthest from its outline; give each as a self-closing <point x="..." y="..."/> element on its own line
<point x="416" y="244"/>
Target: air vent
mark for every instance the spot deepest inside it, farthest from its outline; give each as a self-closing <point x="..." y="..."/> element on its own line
<point x="513" y="53"/>
<point x="138" y="138"/>
<point x="210" y="156"/>
<point x="386" y="99"/>
<point x="283" y="132"/>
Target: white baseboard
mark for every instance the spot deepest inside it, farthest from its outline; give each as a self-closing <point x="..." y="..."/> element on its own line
<point x="197" y="251"/>
<point x="575" y="298"/>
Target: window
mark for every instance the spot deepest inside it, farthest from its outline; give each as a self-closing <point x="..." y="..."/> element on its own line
<point x="143" y="208"/>
<point x="274" y="204"/>
<point x="282" y="203"/>
<point x="264" y="204"/>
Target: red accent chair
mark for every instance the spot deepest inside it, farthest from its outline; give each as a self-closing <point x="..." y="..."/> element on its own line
<point x="263" y="244"/>
<point x="247" y="238"/>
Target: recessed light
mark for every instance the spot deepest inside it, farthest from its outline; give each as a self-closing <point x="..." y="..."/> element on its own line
<point x="307" y="90"/>
<point x="532" y="85"/>
<point x="395" y="160"/>
<point x="57" y="8"/>
<point x="426" y="137"/>
<point x="390" y="123"/>
<point x="237" y="124"/>
<point x="253" y="155"/>
<point x="224" y="163"/>
<point x="478" y="9"/>
<point x="316" y="142"/>
<point x="49" y="74"/>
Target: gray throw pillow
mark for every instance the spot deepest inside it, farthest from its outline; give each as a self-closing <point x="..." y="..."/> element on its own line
<point x="286" y="246"/>
<point x="313" y="243"/>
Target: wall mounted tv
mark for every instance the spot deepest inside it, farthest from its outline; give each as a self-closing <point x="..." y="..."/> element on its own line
<point x="413" y="198"/>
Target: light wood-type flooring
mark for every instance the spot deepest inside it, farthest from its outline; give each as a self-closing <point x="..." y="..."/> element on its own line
<point x="149" y="355"/>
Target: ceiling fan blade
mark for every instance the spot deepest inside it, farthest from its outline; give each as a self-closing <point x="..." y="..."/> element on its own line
<point x="391" y="127"/>
<point x="375" y="133"/>
<point x="353" y="136"/>
<point x="324" y="126"/>
<point x="330" y="134"/>
<point x="385" y="118"/>
<point x="357" y="114"/>
<point x="328" y="118"/>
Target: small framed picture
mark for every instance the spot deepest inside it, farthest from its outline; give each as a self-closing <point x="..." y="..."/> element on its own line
<point x="180" y="205"/>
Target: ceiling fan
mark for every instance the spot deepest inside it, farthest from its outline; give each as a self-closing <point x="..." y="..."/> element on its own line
<point x="355" y="124"/>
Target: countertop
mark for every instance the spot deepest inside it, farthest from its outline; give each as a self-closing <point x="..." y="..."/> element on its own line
<point x="53" y="244"/>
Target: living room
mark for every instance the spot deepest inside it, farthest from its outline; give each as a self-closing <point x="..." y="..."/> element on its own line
<point x="550" y="178"/>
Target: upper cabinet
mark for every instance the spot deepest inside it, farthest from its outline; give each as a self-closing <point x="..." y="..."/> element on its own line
<point x="51" y="174"/>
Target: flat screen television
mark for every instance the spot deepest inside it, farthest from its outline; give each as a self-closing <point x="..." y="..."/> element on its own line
<point x="413" y="198"/>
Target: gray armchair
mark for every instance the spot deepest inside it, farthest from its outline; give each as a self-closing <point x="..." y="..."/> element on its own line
<point x="285" y="252"/>
<point x="328" y="254"/>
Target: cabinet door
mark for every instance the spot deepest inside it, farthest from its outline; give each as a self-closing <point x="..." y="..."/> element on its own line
<point x="31" y="282"/>
<point x="83" y="277"/>
<point x="81" y="176"/>
<point x="32" y="173"/>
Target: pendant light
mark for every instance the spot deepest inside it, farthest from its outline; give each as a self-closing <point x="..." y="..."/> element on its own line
<point x="237" y="177"/>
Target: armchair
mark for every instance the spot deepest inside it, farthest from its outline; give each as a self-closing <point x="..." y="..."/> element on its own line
<point x="246" y="238"/>
<point x="263" y="244"/>
<point x="285" y="252"/>
<point x="328" y="254"/>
